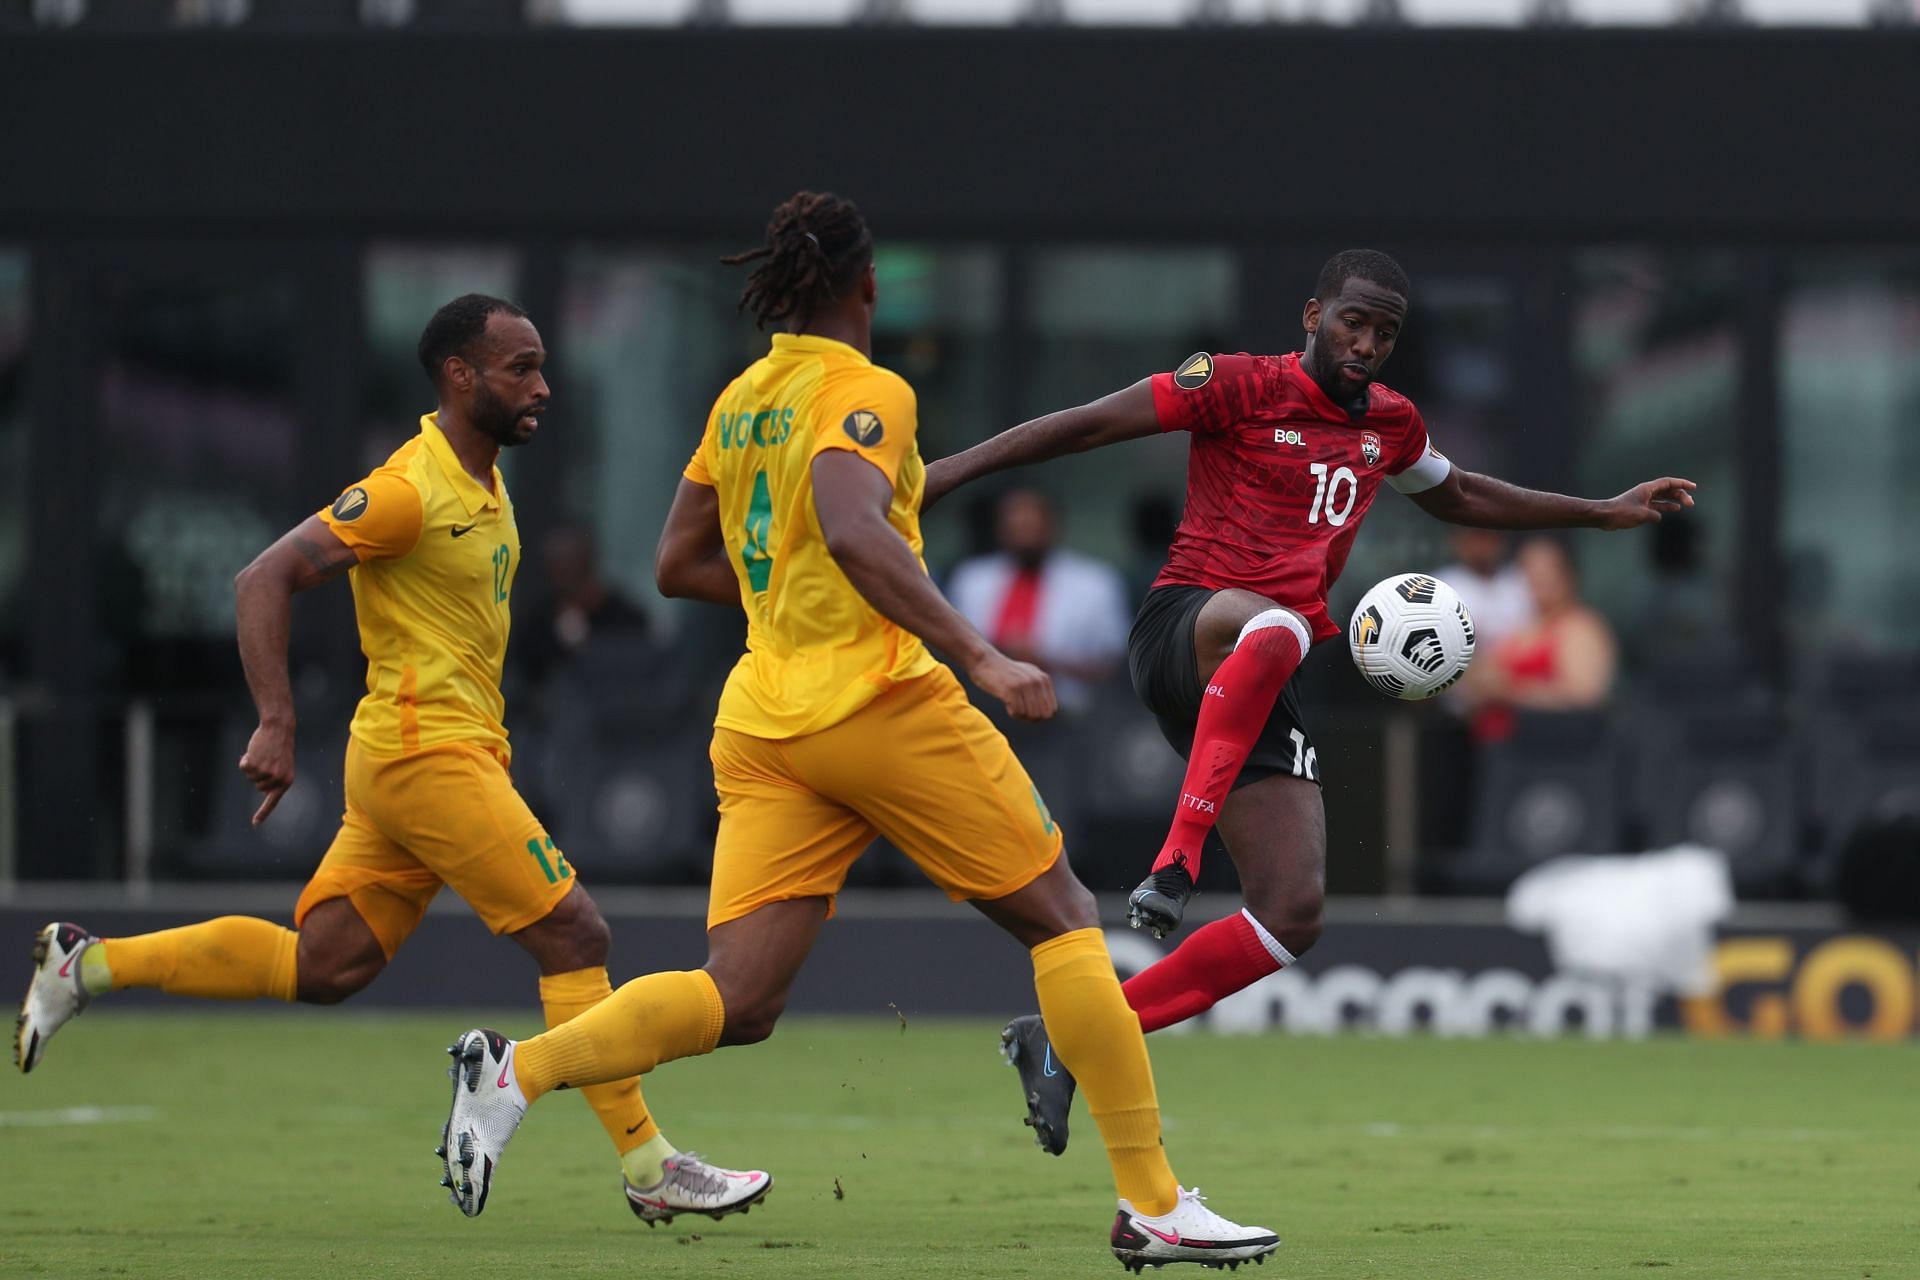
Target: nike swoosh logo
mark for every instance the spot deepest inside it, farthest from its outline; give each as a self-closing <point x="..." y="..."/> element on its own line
<point x="457" y="531"/>
<point x="66" y="969"/>
<point x="1046" y="1063"/>
<point x="1170" y="1239"/>
<point x="635" y="1128"/>
<point x="506" y="1066"/>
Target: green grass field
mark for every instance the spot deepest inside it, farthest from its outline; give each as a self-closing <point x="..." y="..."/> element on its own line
<point x="297" y="1143"/>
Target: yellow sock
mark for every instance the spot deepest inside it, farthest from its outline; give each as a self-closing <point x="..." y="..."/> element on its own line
<point x="648" y="1021"/>
<point x="646" y="1165"/>
<point x="232" y="958"/>
<point x="1098" y="1038"/>
<point x="622" y="1111"/>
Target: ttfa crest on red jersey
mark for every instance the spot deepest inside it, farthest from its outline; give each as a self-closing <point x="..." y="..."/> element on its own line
<point x="1370" y="448"/>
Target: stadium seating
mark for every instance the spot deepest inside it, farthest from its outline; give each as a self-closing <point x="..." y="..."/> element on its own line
<point x="1549" y="789"/>
<point x="617" y="760"/>
<point x="290" y="843"/>
<point x="1727" y="779"/>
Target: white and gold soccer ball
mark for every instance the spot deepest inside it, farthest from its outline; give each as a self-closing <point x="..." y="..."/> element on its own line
<point x="1411" y="637"/>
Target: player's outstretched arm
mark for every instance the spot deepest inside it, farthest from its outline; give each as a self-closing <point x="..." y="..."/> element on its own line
<point x="1483" y="502"/>
<point x="691" y="561"/>
<point x="308" y="555"/>
<point x="852" y="496"/>
<point x="1127" y="414"/>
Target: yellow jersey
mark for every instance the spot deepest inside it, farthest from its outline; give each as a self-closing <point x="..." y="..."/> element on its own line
<point x="437" y="558"/>
<point x="816" y="650"/>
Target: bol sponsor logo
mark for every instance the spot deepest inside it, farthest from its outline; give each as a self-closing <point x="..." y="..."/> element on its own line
<point x="1286" y="435"/>
<point x="1216" y="691"/>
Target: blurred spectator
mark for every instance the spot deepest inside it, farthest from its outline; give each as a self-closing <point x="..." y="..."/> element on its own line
<point x="575" y="605"/>
<point x="1563" y="660"/>
<point x="1153" y="519"/>
<point x="1494" y="588"/>
<point x="1042" y="604"/>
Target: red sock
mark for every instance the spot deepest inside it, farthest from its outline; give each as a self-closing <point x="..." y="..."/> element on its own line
<point x="1233" y="711"/>
<point x="1216" y="961"/>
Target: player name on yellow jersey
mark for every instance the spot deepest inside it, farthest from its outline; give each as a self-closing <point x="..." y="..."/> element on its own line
<point x="816" y="650"/>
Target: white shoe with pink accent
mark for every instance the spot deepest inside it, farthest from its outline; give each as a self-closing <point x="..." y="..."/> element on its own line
<point x="54" y="995"/>
<point x="1188" y="1232"/>
<point x="689" y="1184"/>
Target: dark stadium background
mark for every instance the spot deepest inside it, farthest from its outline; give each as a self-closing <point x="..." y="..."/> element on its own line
<point x="1692" y="250"/>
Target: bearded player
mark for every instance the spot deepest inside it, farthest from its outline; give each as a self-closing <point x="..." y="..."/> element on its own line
<point x="1287" y="454"/>
<point x="432" y="548"/>
<point x="801" y="506"/>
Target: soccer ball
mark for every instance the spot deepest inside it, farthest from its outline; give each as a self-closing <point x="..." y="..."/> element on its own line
<point x="1411" y="637"/>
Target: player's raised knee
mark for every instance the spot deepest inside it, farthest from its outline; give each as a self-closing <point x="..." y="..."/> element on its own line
<point x="1274" y="627"/>
<point x="751" y="1020"/>
<point x="1295" y="922"/>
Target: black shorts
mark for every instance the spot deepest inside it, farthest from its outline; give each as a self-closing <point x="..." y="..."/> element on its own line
<point x="1161" y="659"/>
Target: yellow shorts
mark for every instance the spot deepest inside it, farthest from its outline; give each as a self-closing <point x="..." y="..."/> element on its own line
<point x="919" y="765"/>
<point x="446" y="815"/>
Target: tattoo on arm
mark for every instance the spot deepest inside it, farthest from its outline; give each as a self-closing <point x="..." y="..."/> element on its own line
<point x="324" y="567"/>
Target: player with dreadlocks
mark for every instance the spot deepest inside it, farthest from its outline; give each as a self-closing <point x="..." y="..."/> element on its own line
<point x="801" y="506"/>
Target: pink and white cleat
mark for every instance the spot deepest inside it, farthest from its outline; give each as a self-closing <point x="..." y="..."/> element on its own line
<point x="487" y="1108"/>
<point x="689" y="1184"/>
<point x="54" y="995"/>
<point x="1188" y="1232"/>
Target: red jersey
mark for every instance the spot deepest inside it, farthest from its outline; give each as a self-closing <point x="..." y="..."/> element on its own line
<point x="1279" y="477"/>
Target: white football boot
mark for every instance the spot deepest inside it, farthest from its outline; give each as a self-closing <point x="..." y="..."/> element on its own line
<point x="689" y="1184"/>
<point x="56" y="993"/>
<point x="487" y="1106"/>
<point x="1188" y="1232"/>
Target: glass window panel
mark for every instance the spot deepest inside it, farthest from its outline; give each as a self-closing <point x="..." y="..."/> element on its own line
<point x="1657" y="359"/>
<point x="1850" y="402"/>
<point x="201" y="440"/>
<point x="938" y="326"/>
<point x="15" y="309"/>
<point x="1100" y="319"/>
<point x="649" y="338"/>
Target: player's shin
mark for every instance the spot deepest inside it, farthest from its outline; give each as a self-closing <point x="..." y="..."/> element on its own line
<point x="1217" y="960"/>
<point x="1098" y="1038"/>
<point x="621" y="1109"/>
<point x="646" y="1022"/>
<point x="1233" y="711"/>
<point x="231" y="958"/>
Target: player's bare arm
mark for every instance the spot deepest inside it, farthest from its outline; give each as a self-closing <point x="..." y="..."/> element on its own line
<point x="1126" y="414"/>
<point x="1468" y="498"/>
<point x="306" y="556"/>
<point x="852" y="497"/>
<point x="691" y="560"/>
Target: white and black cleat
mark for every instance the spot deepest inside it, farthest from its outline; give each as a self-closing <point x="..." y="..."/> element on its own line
<point x="689" y="1184"/>
<point x="1188" y="1232"/>
<point x="1160" y="901"/>
<point x="1045" y="1083"/>
<point x="55" y="994"/>
<point x="487" y="1108"/>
